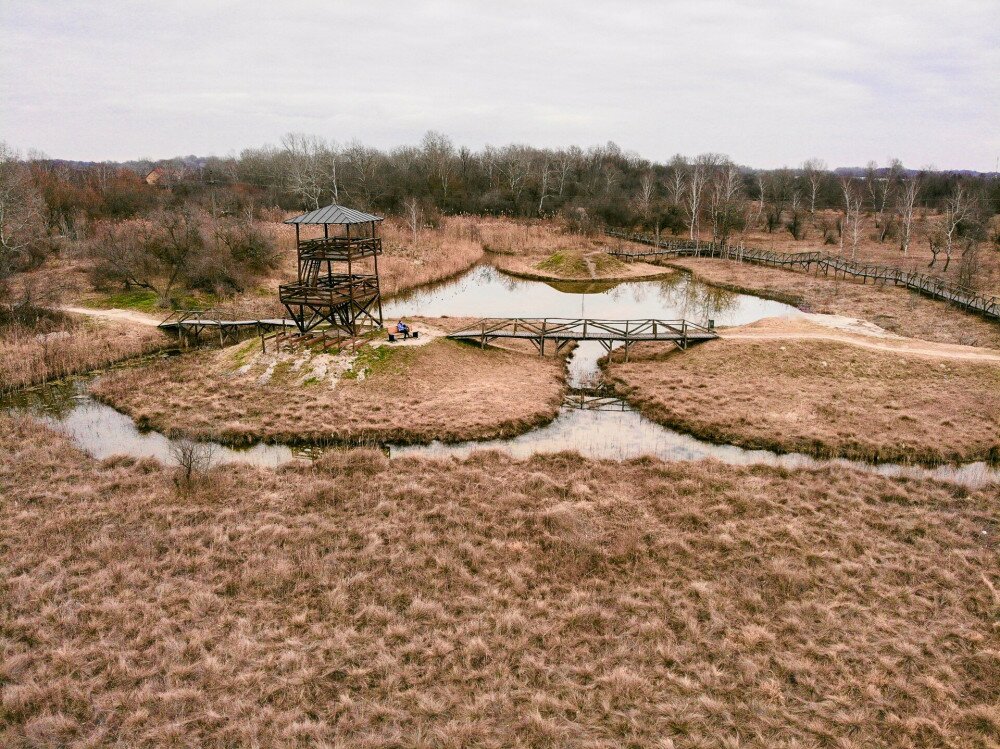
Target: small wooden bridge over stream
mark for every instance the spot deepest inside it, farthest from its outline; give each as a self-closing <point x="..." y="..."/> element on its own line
<point x="558" y="332"/>
<point x="192" y="323"/>
<point x="931" y="286"/>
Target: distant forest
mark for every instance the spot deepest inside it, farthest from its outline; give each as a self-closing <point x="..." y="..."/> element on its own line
<point x="598" y="185"/>
<point x="196" y="222"/>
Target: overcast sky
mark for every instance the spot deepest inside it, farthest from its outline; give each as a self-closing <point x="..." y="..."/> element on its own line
<point x="767" y="82"/>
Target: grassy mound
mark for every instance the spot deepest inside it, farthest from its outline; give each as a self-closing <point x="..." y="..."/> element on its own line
<point x="578" y="264"/>
<point x="821" y="397"/>
<point x="442" y="390"/>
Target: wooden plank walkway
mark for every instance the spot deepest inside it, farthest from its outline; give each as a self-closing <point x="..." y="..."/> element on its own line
<point x="560" y="331"/>
<point x="930" y="286"/>
<point x="191" y="323"/>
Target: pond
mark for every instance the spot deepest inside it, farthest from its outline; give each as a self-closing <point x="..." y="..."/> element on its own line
<point x="485" y="291"/>
<point x="591" y="422"/>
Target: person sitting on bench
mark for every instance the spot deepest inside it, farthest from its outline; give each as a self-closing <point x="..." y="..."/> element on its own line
<point x="402" y="329"/>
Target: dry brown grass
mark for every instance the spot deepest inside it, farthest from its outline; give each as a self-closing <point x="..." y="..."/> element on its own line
<point x="892" y="308"/>
<point x="443" y="390"/>
<point x="824" y="398"/>
<point x="556" y="602"/>
<point x="886" y="253"/>
<point x="577" y="265"/>
<point x="508" y="237"/>
<point x="72" y="345"/>
<point x="438" y="253"/>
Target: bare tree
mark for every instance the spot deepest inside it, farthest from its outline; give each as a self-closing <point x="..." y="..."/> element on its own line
<point x="647" y="184"/>
<point x="365" y="166"/>
<point x="148" y="254"/>
<point x="192" y="458"/>
<point x="544" y="184"/>
<point x="958" y="207"/>
<point x="880" y="189"/>
<point x="970" y="267"/>
<point x="795" y="223"/>
<point x="514" y="163"/>
<point x="758" y="209"/>
<point x="907" y="203"/>
<point x="853" y="215"/>
<point x="675" y="187"/>
<point x="439" y="153"/>
<point x="814" y="171"/>
<point x="310" y="168"/>
<point x="414" y="216"/>
<point x="726" y="201"/>
<point x="698" y="174"/>
<point x="22" y="224"/>
<point x="566" y="162"/>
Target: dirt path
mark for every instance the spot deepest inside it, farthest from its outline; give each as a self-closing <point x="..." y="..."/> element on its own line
<point x="857" y="333"/>
<point x="122" y="315"/>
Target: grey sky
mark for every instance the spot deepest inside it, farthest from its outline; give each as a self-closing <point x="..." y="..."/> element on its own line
<point x="766" y="82"/>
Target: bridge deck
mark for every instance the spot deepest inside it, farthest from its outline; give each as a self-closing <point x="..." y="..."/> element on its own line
<point x="203" y="323"/>
<point x="561" y="331"/>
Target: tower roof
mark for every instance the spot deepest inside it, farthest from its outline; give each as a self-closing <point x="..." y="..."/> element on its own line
<point x="334" y="214"/>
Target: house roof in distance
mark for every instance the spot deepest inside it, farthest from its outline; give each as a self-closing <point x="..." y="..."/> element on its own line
<point x="334" y="214"/>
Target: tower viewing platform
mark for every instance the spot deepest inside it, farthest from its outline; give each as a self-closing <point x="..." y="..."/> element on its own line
<point x="338" y="279"/>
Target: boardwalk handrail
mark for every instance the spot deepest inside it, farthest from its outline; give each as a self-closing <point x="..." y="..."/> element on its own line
<point x="563" y="330"/>
<point x="931" y="286"/>
<point x="574" y="327"/>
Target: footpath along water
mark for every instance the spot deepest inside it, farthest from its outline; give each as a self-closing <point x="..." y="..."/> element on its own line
<point x="593" y="423"/>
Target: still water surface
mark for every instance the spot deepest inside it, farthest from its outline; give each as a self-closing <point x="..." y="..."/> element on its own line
<point x="602" y="428"/>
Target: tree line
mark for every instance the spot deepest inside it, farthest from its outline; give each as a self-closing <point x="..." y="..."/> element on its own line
<point x="44" y="202"/>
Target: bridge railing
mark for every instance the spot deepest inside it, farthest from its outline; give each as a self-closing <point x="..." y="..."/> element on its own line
<point x="180" y="316"/>
<point x="563" y="327"/>
<point x="932" y="286"/>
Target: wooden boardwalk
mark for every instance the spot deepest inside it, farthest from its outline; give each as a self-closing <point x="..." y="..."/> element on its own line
<point x="930" y="286"/>
<point x="191" y="323"/>
<point x="559" y="331"/>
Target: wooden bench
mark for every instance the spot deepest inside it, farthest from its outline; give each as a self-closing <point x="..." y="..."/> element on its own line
<point x="394" y="331"/>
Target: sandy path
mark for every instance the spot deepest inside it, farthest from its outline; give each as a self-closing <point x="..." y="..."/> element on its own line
<point x="856" y="333"/>
<point x="122" y="315"/>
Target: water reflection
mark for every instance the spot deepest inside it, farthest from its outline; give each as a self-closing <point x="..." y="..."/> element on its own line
<point x="622" y="433"/>
<point x="485" y="291"/>
<point x="101" y="431"/>
<point x="592" y="422"/>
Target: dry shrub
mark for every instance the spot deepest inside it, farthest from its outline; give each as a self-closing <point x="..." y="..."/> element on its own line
<point x="767" y="608"/>
<point x="74" y="345"/>
<point x="821" y="397"/>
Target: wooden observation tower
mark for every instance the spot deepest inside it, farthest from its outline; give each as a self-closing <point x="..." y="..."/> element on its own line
<point x="330" y="291"/>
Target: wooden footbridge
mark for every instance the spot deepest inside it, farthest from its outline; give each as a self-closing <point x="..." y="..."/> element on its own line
<point x="191" y="323"/>
<point x="559" y="331"/>
<point x="598" y="398"/>
<point x="930" y="286"/>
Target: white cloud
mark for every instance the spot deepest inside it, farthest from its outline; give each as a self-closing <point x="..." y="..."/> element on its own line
<point x="769" y="83"/>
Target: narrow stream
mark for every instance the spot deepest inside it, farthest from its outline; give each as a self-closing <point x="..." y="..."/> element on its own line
<point x="591" y="422"/>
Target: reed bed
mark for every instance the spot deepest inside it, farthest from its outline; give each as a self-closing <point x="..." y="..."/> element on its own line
<point x="894" y="309"/>
<point x="492" y="603"/>
<point x="509" y="237"/>
<point x="69" y="346"/>
<point x="823" y="398"/>
<point x="443" y="390"/>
